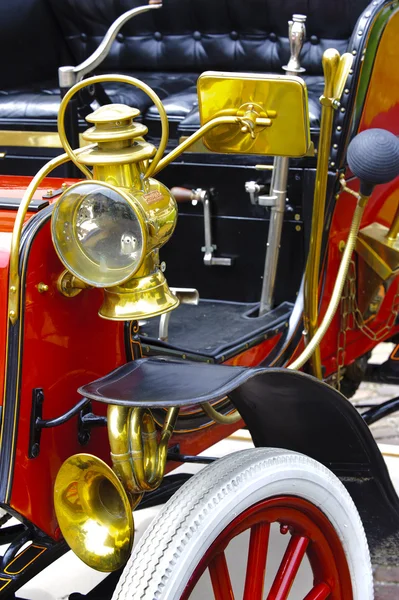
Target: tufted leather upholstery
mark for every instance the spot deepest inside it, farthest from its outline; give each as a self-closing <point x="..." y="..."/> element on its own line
<point x="167" y="48"/>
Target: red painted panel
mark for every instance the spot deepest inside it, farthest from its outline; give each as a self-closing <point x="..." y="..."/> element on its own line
<point x="65" y="345"/>
<point x="12" y="187"/>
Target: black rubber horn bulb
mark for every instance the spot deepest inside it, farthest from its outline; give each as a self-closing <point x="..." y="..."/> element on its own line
<point x="373" y="157"/>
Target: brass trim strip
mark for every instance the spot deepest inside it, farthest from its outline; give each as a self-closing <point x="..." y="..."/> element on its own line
<point x="33" y="139"/>
<point x="42" y="550"/>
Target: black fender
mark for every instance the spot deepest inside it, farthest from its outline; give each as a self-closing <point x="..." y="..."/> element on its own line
<point x="282" y="409"/>
<point x="288" y="409"/>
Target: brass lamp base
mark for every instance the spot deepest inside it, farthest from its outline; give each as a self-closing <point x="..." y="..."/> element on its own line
<point x="138" y="298"/>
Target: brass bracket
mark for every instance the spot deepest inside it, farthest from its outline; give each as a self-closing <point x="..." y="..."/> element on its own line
<point x="70" y="286"/>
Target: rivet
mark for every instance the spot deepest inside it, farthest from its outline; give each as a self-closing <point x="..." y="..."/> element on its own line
<point x="354" y="52"/>
<point x="367" y="15"/>
<point x="12" y="313"/>
<point x="341" y="245"/>
<point x="64" y="186"/>
<point x="13" y="289"/>
<point x="342" y="109"/>
<point x="298" y="228"/>
<point x="297" y="217"/>
<point x="163" y="266"/>
<point x="335" y="146"/>
<point x="346" y="91"/>
<point x="339" y="128"/>
<point x="184" y="356"/>
<point x="284" y="529"/>
<point x="147" y="348"/>
<point x="350" y="71"/>
<point x="360" y="32"/>
<point x="49" y="192"/>
<point x="332" y="164"/>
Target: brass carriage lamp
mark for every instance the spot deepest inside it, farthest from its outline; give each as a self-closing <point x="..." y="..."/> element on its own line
<point x="108" y="231"/>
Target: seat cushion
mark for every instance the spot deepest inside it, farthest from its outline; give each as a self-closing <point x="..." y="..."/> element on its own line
<point x="37" y="107"/>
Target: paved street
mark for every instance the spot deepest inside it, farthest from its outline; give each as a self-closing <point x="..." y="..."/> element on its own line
<point x="385" y="431"/>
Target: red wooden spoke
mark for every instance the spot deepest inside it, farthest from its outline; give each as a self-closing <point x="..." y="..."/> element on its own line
<point x="256" y="565"/>
<point x="320" y="592"/>
<point x="220" y="578"/>
<point x="288" y="568"/>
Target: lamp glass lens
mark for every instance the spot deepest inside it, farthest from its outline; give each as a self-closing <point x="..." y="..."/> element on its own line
<point x="97" y="234"/>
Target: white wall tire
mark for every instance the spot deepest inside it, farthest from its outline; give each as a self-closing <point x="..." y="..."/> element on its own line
<point x="173" y="545"/>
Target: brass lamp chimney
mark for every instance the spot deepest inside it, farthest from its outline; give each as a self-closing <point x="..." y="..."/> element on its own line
<point x="119" y="163"/>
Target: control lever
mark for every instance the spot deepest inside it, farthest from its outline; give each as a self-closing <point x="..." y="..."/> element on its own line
<point x="68" y="76"/>
<point x="195" y="196"/>
<point x="277" y="196"/>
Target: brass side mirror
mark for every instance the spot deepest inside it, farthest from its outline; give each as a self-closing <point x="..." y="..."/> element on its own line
<point x="272" y="109"/>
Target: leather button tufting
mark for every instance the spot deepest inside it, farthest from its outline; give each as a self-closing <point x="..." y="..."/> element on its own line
<point x="234" y="35"/>
<point x="83" y="37"/>
<point x="272" y="37"/>
<point x="158" y="36"/>
<point x="120" y="37"/>
<point x="197" y="35"/>
<point x="314" y="40"/>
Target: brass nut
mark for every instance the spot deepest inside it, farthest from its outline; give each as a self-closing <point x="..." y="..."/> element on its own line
<point x="42" y="287"/>
<point x="298" y="228"/>
<point x="341" y="245"/>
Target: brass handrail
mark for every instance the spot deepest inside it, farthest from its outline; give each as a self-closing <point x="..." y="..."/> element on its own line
<point x="336" y="70"/>
<point x="120" y="79"/>
<point x="14" y="280"/>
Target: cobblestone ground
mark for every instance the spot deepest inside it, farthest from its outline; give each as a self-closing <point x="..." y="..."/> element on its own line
<point x="385" y="431"/>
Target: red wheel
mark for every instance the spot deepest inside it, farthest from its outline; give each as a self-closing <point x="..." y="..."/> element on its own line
<point x="311" y="534"/>
<point x="220" y="536"/>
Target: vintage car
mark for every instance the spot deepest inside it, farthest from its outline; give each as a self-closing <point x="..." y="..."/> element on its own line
<point x="282" y="269"/>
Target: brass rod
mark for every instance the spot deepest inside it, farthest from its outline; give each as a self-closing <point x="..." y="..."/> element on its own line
<point x="312" y="271"/>
<point x="338" y="287"/>
<point x="394" y="229"/>
<point x="197" y="135"/>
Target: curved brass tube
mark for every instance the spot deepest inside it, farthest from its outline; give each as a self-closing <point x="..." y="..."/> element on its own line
<point x="120" y="79"/>
<point x="216" y="416"/>
<point x="197" y="135"/>
<point x="118" y="428"/>
<point x="338" y="287"/>
<point x="14" y="285"/>
<point x="138" y="458"/>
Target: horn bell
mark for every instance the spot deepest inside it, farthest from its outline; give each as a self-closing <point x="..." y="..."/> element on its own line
<point x="94" y="512"/>
<point x="140" y="297"/>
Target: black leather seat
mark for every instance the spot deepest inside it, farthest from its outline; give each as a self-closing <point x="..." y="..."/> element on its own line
<point x="166" y="48"/>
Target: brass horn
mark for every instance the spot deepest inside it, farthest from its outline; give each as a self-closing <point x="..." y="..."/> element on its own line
<point x="94" y="503"/>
